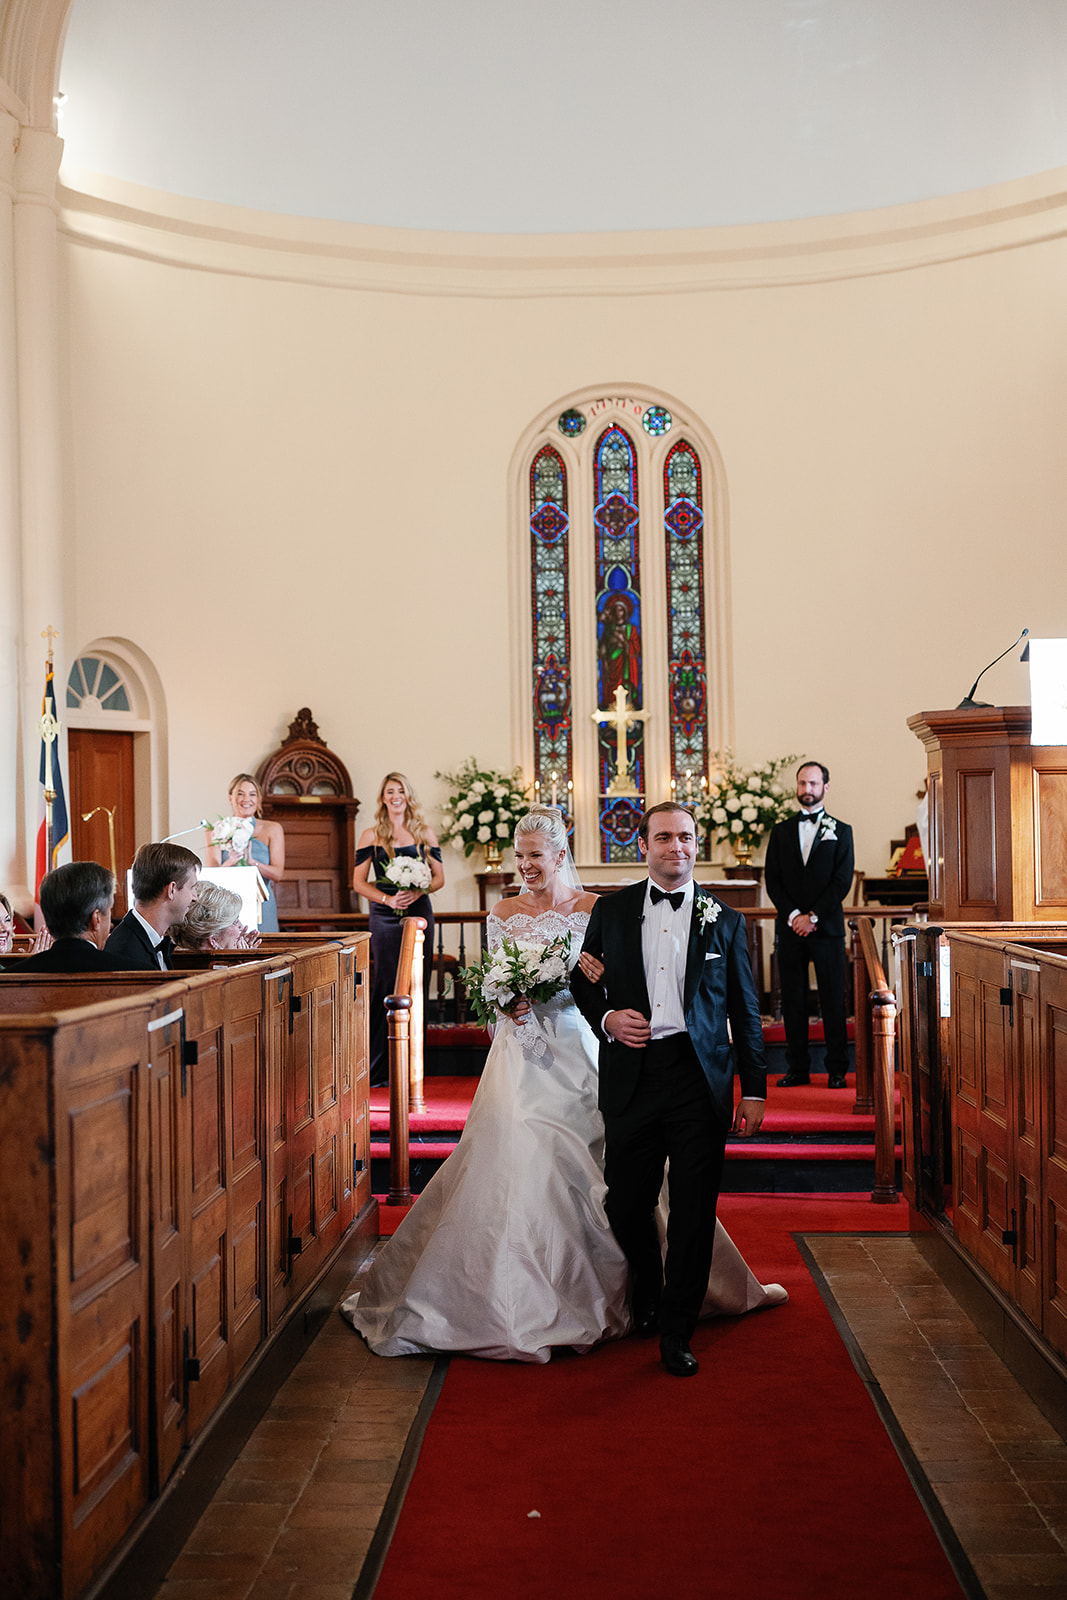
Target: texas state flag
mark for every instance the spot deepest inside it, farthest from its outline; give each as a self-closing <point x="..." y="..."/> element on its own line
<point x="60" y="826"/>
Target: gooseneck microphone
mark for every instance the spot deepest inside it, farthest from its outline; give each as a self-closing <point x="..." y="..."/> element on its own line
<point x="968" y="699"/>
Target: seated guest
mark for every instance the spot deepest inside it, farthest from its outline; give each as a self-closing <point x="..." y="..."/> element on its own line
<point x="213" y="922"/>
<point x="164" y="887"/>
<point x="76" y="905"/>
<point x="7" y="924"/>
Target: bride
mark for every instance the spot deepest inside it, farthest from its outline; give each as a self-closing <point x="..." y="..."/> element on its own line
<point x="508" y="1253"/>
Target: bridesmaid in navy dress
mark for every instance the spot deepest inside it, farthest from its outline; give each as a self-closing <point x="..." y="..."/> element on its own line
<point x="399" y="830"/>
<point x="266" y="848"/>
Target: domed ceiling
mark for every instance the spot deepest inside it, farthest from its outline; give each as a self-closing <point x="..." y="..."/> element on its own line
<point x="559" y="116"/>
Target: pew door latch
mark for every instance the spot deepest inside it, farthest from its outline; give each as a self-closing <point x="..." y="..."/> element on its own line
<point x="190" y="1055"/>
<point x="294" y="1246"/>
<point x="190" y="1365"/>
<point x="1010" y="1236"/>
<point x="1007" y="998"/>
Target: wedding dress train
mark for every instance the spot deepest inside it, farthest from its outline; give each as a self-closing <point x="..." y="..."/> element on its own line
<point x="507" y="1253"/>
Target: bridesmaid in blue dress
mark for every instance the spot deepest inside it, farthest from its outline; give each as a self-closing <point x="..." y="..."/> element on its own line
<point x="399" y="830"/>
<point x="266" y="848"/>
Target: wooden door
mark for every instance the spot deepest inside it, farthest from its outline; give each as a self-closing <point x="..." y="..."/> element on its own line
<point x="1052" y="1089"/>
<point x="101" y="774"/>
<point x="314" y="1157"/>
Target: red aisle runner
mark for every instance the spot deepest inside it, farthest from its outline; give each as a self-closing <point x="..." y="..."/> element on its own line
<point x="769" y="1476"/>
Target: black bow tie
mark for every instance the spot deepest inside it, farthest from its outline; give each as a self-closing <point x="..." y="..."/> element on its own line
<point x="810" y="816"/>
<point x="661" y="894"/>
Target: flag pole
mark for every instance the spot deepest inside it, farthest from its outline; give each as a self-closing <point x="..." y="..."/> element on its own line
<point x="49" y="734"/>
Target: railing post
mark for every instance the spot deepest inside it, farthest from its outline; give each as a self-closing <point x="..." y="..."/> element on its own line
<point x="861" y="1027"/>
<point x="884" y="1020"/>
<point x="398" y="1013"/>
<point x="417" y="1039"/>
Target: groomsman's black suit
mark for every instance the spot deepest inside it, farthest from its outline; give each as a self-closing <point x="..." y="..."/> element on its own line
<point x="71" y="955"/>
<point x="818" y="887"/>
<point x="129" y="945"/>
<point x="673" y="1098"/>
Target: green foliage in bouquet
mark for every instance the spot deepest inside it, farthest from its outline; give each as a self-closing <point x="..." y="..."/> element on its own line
<point x="482" y="806"/>
<point x="518" y="969"/>
<point x="742" y="804"/>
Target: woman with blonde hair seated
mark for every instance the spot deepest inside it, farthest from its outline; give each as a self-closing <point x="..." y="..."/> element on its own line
<point x="213" y="921"/>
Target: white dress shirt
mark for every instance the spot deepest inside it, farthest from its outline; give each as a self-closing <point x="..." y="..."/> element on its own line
<point x="807" y="833"/>
<point x="155" y="936"/>
<point x="664" y="947"/>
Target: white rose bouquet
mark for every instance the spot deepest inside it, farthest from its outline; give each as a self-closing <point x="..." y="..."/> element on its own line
<point x="233" y="833"/>
<point x="482" y="807"/>
<point x="742" y="804"/>
<point x="517" y="970"/>
<point x="405" y="872"/>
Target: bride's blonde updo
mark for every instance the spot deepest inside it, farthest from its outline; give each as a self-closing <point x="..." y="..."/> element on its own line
<point x="543" y="819"/>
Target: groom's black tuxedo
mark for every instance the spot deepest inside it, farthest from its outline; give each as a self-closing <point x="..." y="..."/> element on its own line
<point x="671" y="1099"/>
<point x="817" y="887"/>
<point x="718" y="986"/>
<point x="130" y="947"/>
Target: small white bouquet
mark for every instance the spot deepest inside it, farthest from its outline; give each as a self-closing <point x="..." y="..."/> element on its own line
<point x="405" y="872"/>
<point x="517" y="970"/>
<point x="233" y="833"/>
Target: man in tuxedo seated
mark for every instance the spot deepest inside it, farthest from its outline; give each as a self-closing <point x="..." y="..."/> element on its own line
<point x="76" y="903"/>
<point x="808" y="874"/>
<point x="676" y="973"/>
<point x="164" y="887"/>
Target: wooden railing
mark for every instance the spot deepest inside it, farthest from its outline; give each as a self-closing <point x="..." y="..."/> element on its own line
<point x="404" y="1011"/>
<point x="875" y="1043"/>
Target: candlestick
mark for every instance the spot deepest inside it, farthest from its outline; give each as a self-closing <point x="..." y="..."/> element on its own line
<point x="555" y="788"/>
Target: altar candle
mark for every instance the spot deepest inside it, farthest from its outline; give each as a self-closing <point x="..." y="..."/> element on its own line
<point x="555" y="786"/>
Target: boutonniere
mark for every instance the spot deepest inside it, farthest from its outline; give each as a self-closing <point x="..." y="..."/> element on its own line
<point x="708" y="911"/>
<point x="828" y="829"/>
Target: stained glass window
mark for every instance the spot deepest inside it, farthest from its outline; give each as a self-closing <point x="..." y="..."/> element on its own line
<point x="616" y="521"/>
<point x="656" y="421"/>
<point x="571" y="423"/>
<point x="683" y="522"/>
<point x="550" y="611"/>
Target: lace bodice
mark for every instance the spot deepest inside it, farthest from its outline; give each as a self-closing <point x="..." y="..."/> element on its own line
<point x="549" y="925"/>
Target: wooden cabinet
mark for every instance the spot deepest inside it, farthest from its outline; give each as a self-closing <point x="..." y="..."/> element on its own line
<point x="178" y="1169"/>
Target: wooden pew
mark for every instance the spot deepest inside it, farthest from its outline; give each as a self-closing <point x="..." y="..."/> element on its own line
<point x="181" y="1157"/>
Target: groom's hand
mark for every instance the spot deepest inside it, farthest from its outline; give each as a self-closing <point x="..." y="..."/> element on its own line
<point x="748" y="1117"/>
<point x="629" y="1028"/>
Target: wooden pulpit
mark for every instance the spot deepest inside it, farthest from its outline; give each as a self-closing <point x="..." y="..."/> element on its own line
<point x="998" y="817"/>
<point x="307" y="789"/>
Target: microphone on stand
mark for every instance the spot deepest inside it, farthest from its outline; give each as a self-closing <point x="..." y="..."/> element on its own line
<point x="181" y="835"/>
<point x="968" y="699"/>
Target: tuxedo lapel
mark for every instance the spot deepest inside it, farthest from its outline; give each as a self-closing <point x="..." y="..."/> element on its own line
<point x="632" y="950"/>
<point x="694" y="960"/>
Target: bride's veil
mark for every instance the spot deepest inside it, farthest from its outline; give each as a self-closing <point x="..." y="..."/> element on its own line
<point x="568" y="872"/>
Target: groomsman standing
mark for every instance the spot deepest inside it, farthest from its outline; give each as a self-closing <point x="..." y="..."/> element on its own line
<point x="808" y="874"/>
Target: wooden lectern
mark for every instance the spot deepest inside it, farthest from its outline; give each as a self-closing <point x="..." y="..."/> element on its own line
<point x="998" y="817"/>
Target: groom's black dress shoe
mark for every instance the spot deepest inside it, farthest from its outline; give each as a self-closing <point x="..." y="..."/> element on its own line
<point x="677" y="1357"/>
<point x="837" y="1082"/>
<point x="793" y="1080"/>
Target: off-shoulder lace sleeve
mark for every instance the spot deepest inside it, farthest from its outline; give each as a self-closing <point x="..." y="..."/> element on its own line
<point x="494" y="930"/>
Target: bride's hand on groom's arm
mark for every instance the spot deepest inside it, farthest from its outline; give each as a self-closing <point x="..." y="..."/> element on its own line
<point x="748" y="1117"/>
<point x="591" y="967"/>
<point x="628" y="1027"/>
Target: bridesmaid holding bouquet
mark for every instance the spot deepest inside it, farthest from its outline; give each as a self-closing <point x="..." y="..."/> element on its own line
<point x="263" y="847"/>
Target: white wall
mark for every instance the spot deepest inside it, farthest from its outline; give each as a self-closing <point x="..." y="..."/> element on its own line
<point x="290" y="478"/>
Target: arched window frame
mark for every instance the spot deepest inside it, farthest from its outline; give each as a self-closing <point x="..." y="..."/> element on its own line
<point x="627" y="406"/>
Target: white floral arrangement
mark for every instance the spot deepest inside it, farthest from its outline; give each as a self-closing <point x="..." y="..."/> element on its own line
<point x="233" y="833"/>
<point x="483" y="806"/>
<point x="742" y="804"/>
<point x="404" y="872"/>
<point x="517" y="970"/>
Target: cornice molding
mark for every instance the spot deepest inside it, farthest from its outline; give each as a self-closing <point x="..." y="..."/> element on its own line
<point x="31" y="43"/>
<point x="106" y="214"/>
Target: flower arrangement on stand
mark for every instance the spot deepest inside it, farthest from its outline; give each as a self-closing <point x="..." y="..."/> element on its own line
<point x="482" y="808"/>
<point x="742" y="804"/>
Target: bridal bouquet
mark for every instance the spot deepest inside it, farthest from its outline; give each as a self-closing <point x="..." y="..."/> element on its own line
<point x="744" y="803"/>
<point x="483" y="806"/>
<point x="233" y="833"/>
<point x="405" y="872"/>
<point x="517" y="970"/>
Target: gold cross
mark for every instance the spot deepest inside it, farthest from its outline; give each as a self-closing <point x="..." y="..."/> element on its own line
<point x="622" y="719"/>
<point x="50" y="633"/>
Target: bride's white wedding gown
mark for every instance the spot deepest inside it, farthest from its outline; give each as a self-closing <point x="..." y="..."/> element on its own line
<point x="507" y="1253"/>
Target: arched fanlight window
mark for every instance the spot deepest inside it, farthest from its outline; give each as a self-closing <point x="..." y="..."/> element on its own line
<point x="95" y="685"/>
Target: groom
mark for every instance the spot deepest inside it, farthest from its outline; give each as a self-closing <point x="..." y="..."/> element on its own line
<point x="676" y="971"/>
